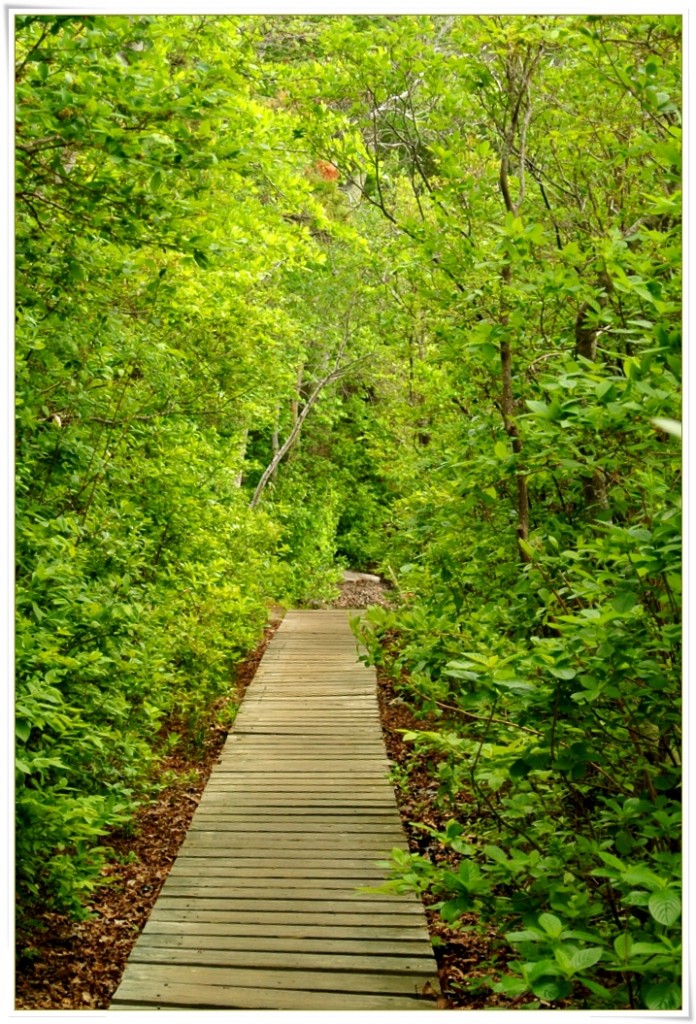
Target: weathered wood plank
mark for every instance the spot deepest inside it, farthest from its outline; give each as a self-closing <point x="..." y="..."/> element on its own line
<point x="231" y="783"/>
<point x="372" y="963"/>
<point x="310" y="981"/>
<point x="271" y="880"/>
<point x="186" y="997"/>
<point x="303" y="827"/>
<point x="245" y="873"/>
<point x="285" y="903"/>
<point x="292" y="843"/>
<point x="267" y="795"/>
<point x="381" y="934"/>
<point x="282" y="893"/>
<point x="271" y="943"/>
<point x="294" y="823"/>
<point x="270" y="863"/>
<point x="338" y="920"/>
<point x="301" y="779"/>
<point x="281" y="855"/>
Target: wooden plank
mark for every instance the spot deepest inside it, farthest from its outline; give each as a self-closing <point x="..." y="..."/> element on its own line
<point x="283" y="856"/>
<point x="186" y="997"/>
<point x="300" y="814"/>
<point x="220" y="824"/>
<point x="288" y="781"/>
<point x="302" y="904"/>
<point x="352" y="753"/>
<point x="280" y="817"/>
<point x="329" y="777"/>
<point x="241" y="872"/>
<point x="237" y="743"/>
<point x="266" y="798"/>
<point x="310" y="981"/>
<point x="282" y="785"/>
<point x="259" y="747"/>
<point x="371" y="963"/>
<point x="269" y="863"/>
<point x="268" y="883"/>
<point x="270" y="803"/>
<point x="271" y="919"/>
<point x="271" y="943"/>
<point x="381" y="934"/>
<point x="294" y="843"/>
<point x="280" y="891"/>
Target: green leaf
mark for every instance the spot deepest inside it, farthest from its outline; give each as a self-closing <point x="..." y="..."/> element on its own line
<point x="525" y="936"/>
<point x="564" y="958"/>
<point x="551" y="989"/>
<point x="611" y="861"/>
<point x="663" y="996"/>
<point x="665" y="906"/>
<point x="563" y="673"/>
<point x="452" y="910"/>
<point x="623" y="945"/>
<point x="551" y="925"/>
<point x="640" y="874"/>
<point x="624" y="601"/>
<point x="648" y="949"/>
<point x="510" y="985"/>
<point x="540" y="408"/>
<point x="22" y="729"/>
<point x="527" y="548"/>
<point x="598" y="990"/>
<point x="588" y="957"/>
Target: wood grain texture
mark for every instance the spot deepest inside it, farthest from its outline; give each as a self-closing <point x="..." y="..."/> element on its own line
<point x="268" y="905"/>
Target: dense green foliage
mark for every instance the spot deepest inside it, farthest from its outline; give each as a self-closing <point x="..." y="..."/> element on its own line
<point x="449" y="249"/>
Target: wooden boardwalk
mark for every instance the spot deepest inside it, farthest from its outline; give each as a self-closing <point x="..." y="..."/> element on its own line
<point x="262" y="909"/>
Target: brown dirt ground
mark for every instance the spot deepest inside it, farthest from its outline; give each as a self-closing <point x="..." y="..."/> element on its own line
<point x="77" y="965"/>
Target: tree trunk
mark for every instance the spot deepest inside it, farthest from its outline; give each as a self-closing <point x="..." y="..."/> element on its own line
<point x="507" y="407"/>
<point x="294" y="433"/>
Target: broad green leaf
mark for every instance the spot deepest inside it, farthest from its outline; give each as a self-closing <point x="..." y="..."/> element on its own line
<point x="665" y="906"/>
<point x="540" y="408"/>
<point x="551" y="989"/>
<point x="22" y="729"/>
<point x="612" y="861"/>
<point x="623" y="944"/>
<point x="586" y="958"/>
<point x="642" y="875"/>
<point x="623" y="602"/>
<point x="551" y="925"/>
<point x="663" y="996"/>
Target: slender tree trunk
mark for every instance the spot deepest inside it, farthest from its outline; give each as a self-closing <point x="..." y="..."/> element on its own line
<point x="507" y="407"/>
<point x="519" y="74"/>
<point x="242" y="452"/>
<point x="275" y="441"/>
<point x="594" y="484"/>
<point x="294" y="433"/>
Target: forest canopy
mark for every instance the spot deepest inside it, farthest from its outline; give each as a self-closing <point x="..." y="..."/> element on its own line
<point x="397" y="293"/>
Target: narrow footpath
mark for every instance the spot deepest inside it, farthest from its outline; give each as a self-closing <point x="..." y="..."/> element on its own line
<point x="265" y="905"/>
